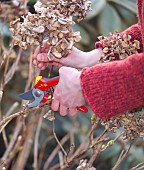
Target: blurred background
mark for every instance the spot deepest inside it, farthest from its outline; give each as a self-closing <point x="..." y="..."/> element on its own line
<point x="15" y="64"/>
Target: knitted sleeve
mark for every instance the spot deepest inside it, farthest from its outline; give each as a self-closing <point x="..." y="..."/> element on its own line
<point x="134" y="31"/>
<point x="115" y="87"/>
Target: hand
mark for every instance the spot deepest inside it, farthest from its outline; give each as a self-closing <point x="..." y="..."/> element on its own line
<point x="40" y="51"/>
<point x="68" y="93"/>
<point x="76" y="59"/>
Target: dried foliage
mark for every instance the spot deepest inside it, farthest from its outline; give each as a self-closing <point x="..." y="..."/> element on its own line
<point x="83" y="165"/>
<point x="52" y="20"/>
<point x="11" y="10"/>
<point x="132" y="124"/>
<point x="117" y="47"/>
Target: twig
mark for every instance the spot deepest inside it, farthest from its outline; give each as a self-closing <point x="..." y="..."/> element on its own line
<point x="55" y="136"/>
<point x="12" y="70"/>
<point x="6" y="120"/>
<point x="60" y="154"/>
<point x="12" y="108"/>
<point x="138" y="167"/>
<point x="1" y="95"/>
<point x="8" y="56"/>
<point x="75" y="157"/>
<point x="36" y="167"/>
<point x="42" y="151"/>
<point x="17" y="148"/>
<point x="97" y="150"/>
<point x="2" y="165"/>
<point x="55" y="167"/>
<point x="98" y="142"/>
<point x="50" y="71"/>
<point x="12" y="142"/>
<point x="80" y="153"/>
<point x="23" y="155"/>
<point x="7" y="64"/>
<point x="86" y="138"/>
<point x="72" y="140"/>
<point x="29" y="81"/>
<point x="122" y="156"/>
<point x="3" y="132"/>
<point x="5" y="138"/>
<point x="116" y="138"/>
<point x="1" y="64"/>
<point x="55" y="151"/>
<point x="72" y="143"/>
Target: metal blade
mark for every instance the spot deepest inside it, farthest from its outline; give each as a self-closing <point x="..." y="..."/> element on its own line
<point x="27" y="95"/>
<point x="38" y="97"/>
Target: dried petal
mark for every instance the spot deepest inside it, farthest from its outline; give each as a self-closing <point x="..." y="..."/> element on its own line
<point x="39" y="29"/>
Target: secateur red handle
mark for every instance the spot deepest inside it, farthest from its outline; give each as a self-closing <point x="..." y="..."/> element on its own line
<point x="45" y="83"/>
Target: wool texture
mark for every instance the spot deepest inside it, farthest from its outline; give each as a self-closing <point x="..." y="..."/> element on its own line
<point x="118" y="86"/>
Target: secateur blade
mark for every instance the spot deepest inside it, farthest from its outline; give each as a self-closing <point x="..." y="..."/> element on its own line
<point x="35" y="94"/>
<point x="38" y="97"/>
<point x="27" y="95"/>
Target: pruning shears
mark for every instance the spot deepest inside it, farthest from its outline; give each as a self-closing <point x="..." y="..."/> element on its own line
<point x="42" y="92"/>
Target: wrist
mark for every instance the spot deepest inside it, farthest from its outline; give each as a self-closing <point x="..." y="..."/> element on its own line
<point x="93" y="57"/>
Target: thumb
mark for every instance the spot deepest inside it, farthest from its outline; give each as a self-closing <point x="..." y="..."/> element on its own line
<point x="43" y="57"/>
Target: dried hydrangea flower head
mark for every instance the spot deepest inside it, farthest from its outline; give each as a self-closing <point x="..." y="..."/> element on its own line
<point x="83" y="165"/>
<point x="131" y="122"/>
<point x="117" y="47"/>
<point x="53" y="19"/>
<point x="10" y="10"/>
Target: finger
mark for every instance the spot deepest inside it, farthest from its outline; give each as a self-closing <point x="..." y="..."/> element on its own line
<point x="55" y="105"/>
<point x="73" y="112"/>
<point x="43" y="68"/>
<point x="35" y="62"/>
<point x="44" y="47"/>
<point x="40" y="65"/>
<point x="56" y="64"/>
<point x="63" y="110"/>
<point x="36" y="52"/>
<point x="42" y="57"/>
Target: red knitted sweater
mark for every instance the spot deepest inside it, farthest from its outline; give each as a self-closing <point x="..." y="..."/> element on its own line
<point x="115" y="87"/>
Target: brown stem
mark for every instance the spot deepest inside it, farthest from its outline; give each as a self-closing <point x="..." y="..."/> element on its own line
<point x="10" y="73"/>
<point x="24" y="112"/>
<point x="24" y="154"/>
<point x="29" y="81"/>
<point x="97" y="150"/>
<point x="55" y="136"/>
<point x="138" y="167"/>
<point x="55" y="151"/>
<point x="86" y="138"/>
<point x="12" y="142"/>
<point x="42" y="151"/>
<point x="122" y="156"/>
<point x="36" y="167"/>
<point x="5" y="138"/>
